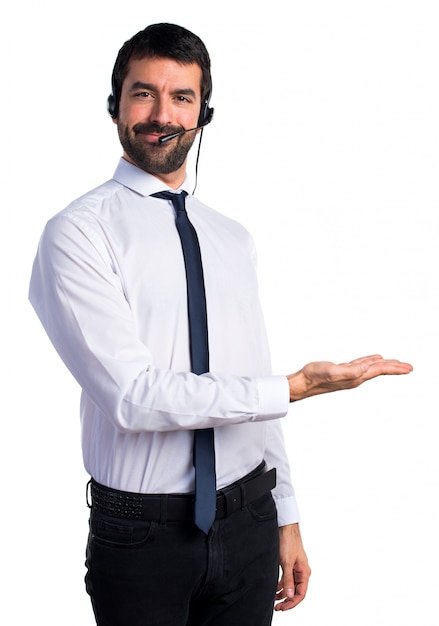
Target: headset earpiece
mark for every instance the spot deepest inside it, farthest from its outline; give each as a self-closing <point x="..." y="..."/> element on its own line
<point x="112" y="106"/>
<point x="206" y="113"/>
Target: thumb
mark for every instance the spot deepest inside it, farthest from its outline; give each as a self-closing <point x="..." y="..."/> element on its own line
<point x="288" y="585"/>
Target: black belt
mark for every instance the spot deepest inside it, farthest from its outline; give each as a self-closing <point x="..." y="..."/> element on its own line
<point x="180" y="507"/>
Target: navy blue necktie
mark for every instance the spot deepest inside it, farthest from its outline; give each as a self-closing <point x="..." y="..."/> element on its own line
<point x="204" y="449"/>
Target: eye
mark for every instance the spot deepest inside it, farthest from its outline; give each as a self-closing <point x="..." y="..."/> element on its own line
<point x="185" y="96"/>
<point x="143" y="94"/>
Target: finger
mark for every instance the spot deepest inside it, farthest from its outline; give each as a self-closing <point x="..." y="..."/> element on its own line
<point x="371" y="358"/>
<point x="387" y="366"/>
<point x="377" y="359"/>
<point x="285" y="588"/>
<point x="281" y="599"/>
<point x="289" y="596"/>
<point x="366" y="368"/>
<point x="285" y="604"/>
<point x="288" y="586"/>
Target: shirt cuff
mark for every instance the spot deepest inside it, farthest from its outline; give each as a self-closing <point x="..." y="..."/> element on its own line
<point x="274" y="397"/>
<point x="287" y="510"/>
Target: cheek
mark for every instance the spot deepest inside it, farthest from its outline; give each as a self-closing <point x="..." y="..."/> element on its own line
<point x="131" y="114"/>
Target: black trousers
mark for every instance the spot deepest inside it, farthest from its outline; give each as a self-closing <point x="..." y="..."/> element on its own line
<point x="142" y="573"/>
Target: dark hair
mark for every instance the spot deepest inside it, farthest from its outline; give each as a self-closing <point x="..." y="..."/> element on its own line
<point x="167" y="41"/>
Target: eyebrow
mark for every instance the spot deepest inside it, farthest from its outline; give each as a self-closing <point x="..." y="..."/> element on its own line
<point x="150" y="87"/>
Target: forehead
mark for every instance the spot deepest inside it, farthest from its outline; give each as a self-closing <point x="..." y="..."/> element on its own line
<point x="164" y="73"/>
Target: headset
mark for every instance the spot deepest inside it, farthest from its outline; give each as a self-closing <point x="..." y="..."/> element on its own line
<point x="113" y="102"/>
<point x="206" y="113"/>
<point x="205" y="117"/>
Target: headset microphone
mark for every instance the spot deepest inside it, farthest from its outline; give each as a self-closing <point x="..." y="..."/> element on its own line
<point x="166" y="138"/>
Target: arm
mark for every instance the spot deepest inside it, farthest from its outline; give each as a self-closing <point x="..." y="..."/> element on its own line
<point x="78" y="291"/>
<point x="113" y="347"/>
<point x="292" y="558"/>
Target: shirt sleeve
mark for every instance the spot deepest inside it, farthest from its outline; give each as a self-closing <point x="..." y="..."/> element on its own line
<point x="78" y="295"/>
<point x="283" y="494"/>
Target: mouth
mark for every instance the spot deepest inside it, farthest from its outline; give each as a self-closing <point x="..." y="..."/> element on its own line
<point x="151" y="134"/>
<point x="152" y="138"/>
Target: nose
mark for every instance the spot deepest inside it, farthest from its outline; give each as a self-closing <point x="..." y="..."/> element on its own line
<point x="161" y="112"/>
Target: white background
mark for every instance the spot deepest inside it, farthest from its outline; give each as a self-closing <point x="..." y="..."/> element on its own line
<point x="326" y="130"/>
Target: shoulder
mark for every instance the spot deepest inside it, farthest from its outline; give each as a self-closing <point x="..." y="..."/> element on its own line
<point x="94" y="202"/>
<point x="217" y="219"/>
<point x="86" y="211"/>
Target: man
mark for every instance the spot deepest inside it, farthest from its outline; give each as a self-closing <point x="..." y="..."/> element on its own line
<point x="112" y="290"/>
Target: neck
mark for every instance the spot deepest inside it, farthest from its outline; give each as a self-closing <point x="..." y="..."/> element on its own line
<point x="174" y="180"/>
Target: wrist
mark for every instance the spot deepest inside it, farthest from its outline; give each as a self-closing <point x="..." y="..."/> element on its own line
<point x="297" y="386"/>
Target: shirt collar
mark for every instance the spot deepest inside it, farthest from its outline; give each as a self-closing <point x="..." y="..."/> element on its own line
<point x="141" y="182"/>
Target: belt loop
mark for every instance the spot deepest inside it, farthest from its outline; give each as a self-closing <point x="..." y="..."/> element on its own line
<point x="88" y="494"/>
<point x="163" y="509"/>
<point x="243" y="495"/>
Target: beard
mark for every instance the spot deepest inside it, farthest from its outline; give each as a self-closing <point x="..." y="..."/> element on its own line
<point x="155" y="158"/>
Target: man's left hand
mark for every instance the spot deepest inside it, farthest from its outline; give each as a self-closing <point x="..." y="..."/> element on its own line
<point x="293" y="583"/>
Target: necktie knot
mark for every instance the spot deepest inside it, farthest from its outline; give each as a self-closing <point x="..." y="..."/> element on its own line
<point x="177" y="199"/>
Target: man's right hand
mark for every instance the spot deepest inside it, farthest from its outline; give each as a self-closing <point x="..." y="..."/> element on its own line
<point x="324" y="377"/>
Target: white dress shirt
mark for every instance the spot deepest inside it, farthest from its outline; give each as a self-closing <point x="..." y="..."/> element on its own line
<point x="109" y="286"/>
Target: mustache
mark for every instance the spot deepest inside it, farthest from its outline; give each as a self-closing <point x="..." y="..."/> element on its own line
<point x="155" y="128"/>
